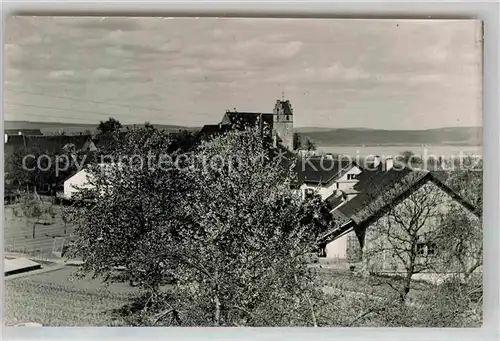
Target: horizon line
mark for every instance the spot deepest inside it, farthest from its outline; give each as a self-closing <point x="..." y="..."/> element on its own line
<point x="201" y="126"/>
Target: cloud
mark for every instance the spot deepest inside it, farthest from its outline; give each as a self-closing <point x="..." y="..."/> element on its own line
<point x="105" y="24"/>
<point x="102" y="73"/>
<point x="270" y="49"/>
<point x="368" y="70"/>
<point x="225" y="64"/>
<point x="334" y="73"/>
<point x="289" y="49"/>
<point x="62" y="74"/>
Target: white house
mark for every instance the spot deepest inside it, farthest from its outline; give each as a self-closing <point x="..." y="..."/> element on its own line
<point x="326" y="176"/>
<point x="78" y="180"/>
<point x="82" y="179"/>
<point x="347" y="188"/>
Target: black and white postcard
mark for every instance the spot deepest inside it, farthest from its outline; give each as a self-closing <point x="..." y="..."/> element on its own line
<point x="243" y="172"/>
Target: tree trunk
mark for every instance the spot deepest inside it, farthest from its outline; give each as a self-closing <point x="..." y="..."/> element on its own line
<point x="469" y="272"/>
<point x="313" y="314"/>
<point x="406" y="287"/>
<point x="34" y="224"/>
<point x="407" y="281"/>
<point x="217" y="311"/>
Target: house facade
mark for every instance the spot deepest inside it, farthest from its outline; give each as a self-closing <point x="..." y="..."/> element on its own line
<point x="83" y="178"/>
<point x="395" y="210"/>
<point x="395" y="225"/>
<point x="78" y="180"/>
<point x="326" y="177"/>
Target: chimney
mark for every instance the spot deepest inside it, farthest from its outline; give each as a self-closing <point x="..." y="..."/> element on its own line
<point x="376" y="161"/>
<point x="389" y="163"/>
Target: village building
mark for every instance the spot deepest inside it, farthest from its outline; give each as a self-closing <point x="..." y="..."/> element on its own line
<point x="17" y="147"/>
<point x="49" y="144"/>
<point x="14" y="132"/>
<point x="277" y="125"/>
<point x="384" y="195"/>
<point x="327" y="177"/>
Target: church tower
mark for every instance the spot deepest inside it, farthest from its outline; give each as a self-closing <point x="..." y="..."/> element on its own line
<point x="283" y="123"/>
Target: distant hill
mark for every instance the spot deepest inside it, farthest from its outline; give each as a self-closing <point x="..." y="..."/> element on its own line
<point x="318" y="129"/>
<point x="322" y="136"/>
<point x="472" y="136"/>
<point x="49" y="128"/>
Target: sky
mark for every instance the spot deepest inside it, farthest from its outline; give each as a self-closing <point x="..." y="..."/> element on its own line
<point x="387" y="74"/>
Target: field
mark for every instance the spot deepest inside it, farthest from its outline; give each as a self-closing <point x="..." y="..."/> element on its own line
<point x="55" y="298"/>
<point x="18" y="232"/>
<point x="58" y="298"/>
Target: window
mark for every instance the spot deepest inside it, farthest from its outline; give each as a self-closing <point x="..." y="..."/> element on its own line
<point x="426" y="249"/>
<point x="431" y="249"/>
<point x="351" y="176"/>
<point x="421" y="249"/>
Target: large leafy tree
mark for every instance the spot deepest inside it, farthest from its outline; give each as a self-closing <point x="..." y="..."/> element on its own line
<point x="251" y="233"/>
<point x="462" y="234"/>
<point x="310" y="145"/>
<point x="130" y="214"/>
<point x="30" y="168"/>
<point x="109" y="127"/>
<point x="224" y="221"/>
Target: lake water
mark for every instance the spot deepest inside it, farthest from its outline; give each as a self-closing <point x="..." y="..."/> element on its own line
<point x="444" y="151"/>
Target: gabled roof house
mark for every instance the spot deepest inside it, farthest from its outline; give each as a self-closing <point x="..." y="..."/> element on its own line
<point x="378" y="192"/>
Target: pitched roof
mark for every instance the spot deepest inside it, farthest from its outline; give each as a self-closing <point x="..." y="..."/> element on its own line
<point x="47" y="144"/>
<point x="286" y="106"/>
<point x="105" y="140"/>
<point x="214" y="129"/>
<point x="378" y="189"/>
<point x="240" y="119"/>
<point x="321" y="170"/>
<point x="334" y="200"/>
<point x="23" y="131"/>
<point x="370" y="203"/>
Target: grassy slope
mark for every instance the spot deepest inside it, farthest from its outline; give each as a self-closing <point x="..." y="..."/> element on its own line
<point x="56" y="299"/>
<point x="18" y="233"/>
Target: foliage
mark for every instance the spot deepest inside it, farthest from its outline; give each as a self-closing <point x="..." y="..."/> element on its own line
<point x="465" y="177"/>
<point x="462" y="233"/>
<point x="131" y="213"/>
<point x="408" y="157"/>
<point x="297" y="141"/>
<point x="33" y="167"/>
<point x="300" y="144"/>
<point x="225" y="224"/>
<point x="310" y="145"/>
<point x="33" y="210"/>
<point x="109" y="127"/>
<point x="400" y="241"/>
